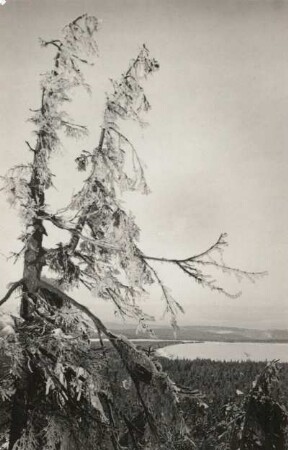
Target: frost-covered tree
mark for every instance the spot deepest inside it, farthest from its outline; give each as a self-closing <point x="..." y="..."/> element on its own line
<point x="257" y="421"/>
<point x="54" y="394"/>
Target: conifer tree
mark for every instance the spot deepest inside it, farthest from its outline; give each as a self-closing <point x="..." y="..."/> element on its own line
<point x="55" y="395"/>
<point x="257" y="421"/>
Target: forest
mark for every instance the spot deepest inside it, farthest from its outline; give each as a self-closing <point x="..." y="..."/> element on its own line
<point x="213" y="394"/>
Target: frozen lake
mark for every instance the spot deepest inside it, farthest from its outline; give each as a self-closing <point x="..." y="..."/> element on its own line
<point x="227" y="351"/>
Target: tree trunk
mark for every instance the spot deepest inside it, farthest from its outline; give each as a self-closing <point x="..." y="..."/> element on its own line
<point x="19" y="414"/>
<point x="33" y="264"/>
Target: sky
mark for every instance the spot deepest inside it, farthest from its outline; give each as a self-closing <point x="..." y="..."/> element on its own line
<point x="214" y="149"/>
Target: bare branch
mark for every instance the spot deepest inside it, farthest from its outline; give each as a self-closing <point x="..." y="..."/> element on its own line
<point x="11" y="290"/>
<point x="74" y="22"/>
<point x="29" y="146"/>
<point x="190" y="266"/>
<point x="221" y="242"/>
<point x="186" y="265"/>
<point x="56" y="43"/>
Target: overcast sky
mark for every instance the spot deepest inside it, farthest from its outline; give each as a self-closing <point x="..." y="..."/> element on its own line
<point x="215" y="148"/>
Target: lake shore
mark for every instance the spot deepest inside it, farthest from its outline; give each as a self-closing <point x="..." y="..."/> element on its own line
<point x="227" y="351"/>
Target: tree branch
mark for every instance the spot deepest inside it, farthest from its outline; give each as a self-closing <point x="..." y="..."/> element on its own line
<point x="67" y="299"/>
<point x="217" y="245"/>
<point x="190" y="266"/>
<point x="58" y="44"/>
<point x="171" y="304"/>
<point x="186" y="264"/>
<point x="11" y="290"/>
<point x="85" y="211"/>
<point x="137" y="363"/>
<point x="30" y="147"/>
<point x="58" y="222"/>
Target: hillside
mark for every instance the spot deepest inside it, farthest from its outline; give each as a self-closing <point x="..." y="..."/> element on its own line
<point x="206" y="333"/>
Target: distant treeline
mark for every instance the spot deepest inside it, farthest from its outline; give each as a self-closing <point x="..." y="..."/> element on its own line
<point x="201" y="333"/>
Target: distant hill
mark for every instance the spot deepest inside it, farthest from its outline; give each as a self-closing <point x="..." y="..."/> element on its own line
<point x="205" y="333"/>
